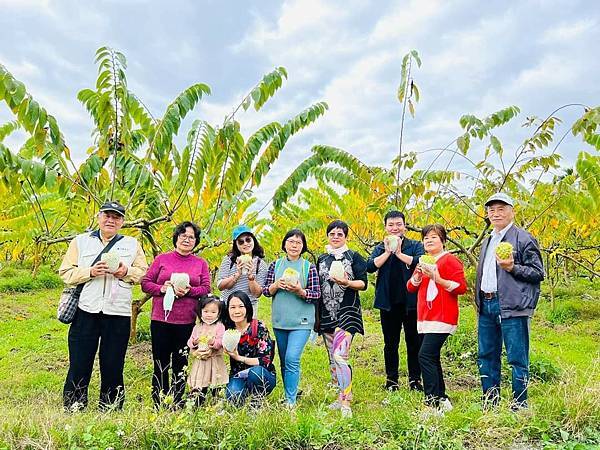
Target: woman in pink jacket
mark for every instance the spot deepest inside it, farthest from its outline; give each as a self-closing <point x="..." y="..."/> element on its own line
<point x="174" y="309"/>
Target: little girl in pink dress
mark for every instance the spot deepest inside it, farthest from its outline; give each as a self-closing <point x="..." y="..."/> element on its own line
<point x="208" y="372"/>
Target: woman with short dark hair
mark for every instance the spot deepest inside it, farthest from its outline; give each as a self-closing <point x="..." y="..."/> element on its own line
<point x="343" y="273"/>
<point x="293" y="282"/>
<point x="176" y="280"/>
<point x="252" y="371"/>
<point x="438" y="281"/>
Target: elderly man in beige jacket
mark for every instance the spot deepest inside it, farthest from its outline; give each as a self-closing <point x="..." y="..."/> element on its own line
<point x="103" y="317"/>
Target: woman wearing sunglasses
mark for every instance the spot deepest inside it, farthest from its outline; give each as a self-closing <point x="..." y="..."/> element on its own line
<point x="243" y="268"/>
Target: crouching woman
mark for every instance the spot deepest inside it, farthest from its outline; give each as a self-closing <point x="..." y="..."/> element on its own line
<point x="252" y="372"/>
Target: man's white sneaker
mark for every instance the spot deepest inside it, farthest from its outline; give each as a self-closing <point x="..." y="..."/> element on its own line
<point x="445" y="405"/>
<point x="431" y="412"/>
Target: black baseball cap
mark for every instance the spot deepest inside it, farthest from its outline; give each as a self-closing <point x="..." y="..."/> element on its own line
<point x="114" y="207"/>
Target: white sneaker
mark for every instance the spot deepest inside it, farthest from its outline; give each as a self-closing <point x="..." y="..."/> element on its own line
<point x="430" y="413"/>
<point x="346" y="411"/>
<point x="445" y="405"/>
<point x="335" y="405"/>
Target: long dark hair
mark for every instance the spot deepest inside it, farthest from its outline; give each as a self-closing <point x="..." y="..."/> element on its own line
<point x="247" y="303"/>
<point x="234" y="253"/>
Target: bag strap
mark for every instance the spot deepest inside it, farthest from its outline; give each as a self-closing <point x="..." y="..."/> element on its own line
<point x="278" y="263"/>
<point x="254" y="329"/>
<point x="108" y="246"/>
<point x="305" y="271"/>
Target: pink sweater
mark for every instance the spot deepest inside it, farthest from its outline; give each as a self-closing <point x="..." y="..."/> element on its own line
<point x="216" y="331"/>
<point x="184" y="308"/>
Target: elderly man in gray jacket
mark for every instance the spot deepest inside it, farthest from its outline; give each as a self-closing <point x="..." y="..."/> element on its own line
<point x="506" y="293"/>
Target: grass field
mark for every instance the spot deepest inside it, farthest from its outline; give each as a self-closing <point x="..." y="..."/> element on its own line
<point x="564" y="393"/>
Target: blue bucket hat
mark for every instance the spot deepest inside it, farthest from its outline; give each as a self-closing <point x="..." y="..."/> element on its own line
<point x="241" y="229"/>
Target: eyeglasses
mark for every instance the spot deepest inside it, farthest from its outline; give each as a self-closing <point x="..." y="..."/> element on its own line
<point x="246" y="240"/>
<point x="187" y="237"/>
<point x="340" y="234"/>
<point x="293" y="242"/>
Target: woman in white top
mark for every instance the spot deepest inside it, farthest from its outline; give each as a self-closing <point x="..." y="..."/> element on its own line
<point x="239" y="273"/>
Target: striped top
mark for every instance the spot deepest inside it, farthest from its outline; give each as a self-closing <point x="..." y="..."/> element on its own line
<point x="227" y="269"/>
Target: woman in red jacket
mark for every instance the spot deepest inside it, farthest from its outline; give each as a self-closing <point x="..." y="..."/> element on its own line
<point x="438" y="284"/>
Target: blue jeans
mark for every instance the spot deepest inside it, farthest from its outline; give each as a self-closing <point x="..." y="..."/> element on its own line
<point x="259" y="383"/>
<point x="514" y="332"/>
<point x="290" y="344"/>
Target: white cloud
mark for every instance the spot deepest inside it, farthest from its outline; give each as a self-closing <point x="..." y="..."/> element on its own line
<point x="567" y="32"/>
<point x="551" y="72"/>
<point x="21" y="69"/>
<point x="406" y="20"/>
<point x="477" y="58"/>
<point x="308" y="37"/>
<point x="37" y="5"/>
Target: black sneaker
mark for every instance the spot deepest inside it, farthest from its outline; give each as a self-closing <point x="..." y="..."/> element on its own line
<point x="415" y="385"/>
<point x="490" y="400"/>
<point x="391" y="385"/>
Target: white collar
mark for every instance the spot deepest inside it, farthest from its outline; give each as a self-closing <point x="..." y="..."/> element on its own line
<point x="437" y="258"/>
<point x="336" y="252"/>
<point x="502" y="232"/>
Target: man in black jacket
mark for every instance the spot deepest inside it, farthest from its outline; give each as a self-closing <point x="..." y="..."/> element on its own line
<point x="506" y="293"/>
<point x="395" y="260"/>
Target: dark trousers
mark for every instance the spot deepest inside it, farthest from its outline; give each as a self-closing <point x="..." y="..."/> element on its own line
<point x="433" y="377"/>
<point x="85" y="333"/>
<point x="170" y="355"/>
<point x="391" y="324"/>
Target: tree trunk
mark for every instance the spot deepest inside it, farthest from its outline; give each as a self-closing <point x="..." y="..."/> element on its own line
<point x="136" y="308"/>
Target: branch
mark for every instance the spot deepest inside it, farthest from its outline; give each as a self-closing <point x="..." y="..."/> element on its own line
<point x="592" y="271"/>
<point x="142" y="224"/>
<point x="480" y="238"/>
<point x="145" y="223"/>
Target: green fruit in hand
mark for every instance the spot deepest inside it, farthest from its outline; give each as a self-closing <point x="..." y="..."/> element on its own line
<point x="112" y="259"/>
<point x="245" y="258"/>
<point x="180" y="280"/>
<point x="290" y="276"/>
<point x="504" y="250"/>
<point x="231" y="339"/>
<point x="427" y="259"/>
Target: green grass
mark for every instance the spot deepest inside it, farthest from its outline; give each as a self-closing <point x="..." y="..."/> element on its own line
<point x="564" y="394"/>
<point x="13" y="279"/>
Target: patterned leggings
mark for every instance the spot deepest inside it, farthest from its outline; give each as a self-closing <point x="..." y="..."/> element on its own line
<point x="338" y="349"/>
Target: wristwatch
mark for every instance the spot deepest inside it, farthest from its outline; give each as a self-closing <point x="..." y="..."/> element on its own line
<point x="251" y="277"/>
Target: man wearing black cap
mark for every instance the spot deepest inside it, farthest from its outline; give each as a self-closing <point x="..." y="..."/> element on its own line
<point x="506" y="292"/>
<point x="104" y="309"/>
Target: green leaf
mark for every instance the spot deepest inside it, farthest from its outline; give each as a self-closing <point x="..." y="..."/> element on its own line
<point x="416" y="92"/>
<point x="463" y="143"/>
<point x="496" y="145"/>
<point x="415" y="55"/>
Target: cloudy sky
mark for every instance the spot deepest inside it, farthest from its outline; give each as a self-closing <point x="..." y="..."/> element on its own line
<point x="477" y="57"/>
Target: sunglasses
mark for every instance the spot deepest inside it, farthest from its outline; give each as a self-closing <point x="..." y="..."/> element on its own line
<point x="246" y="240"/>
